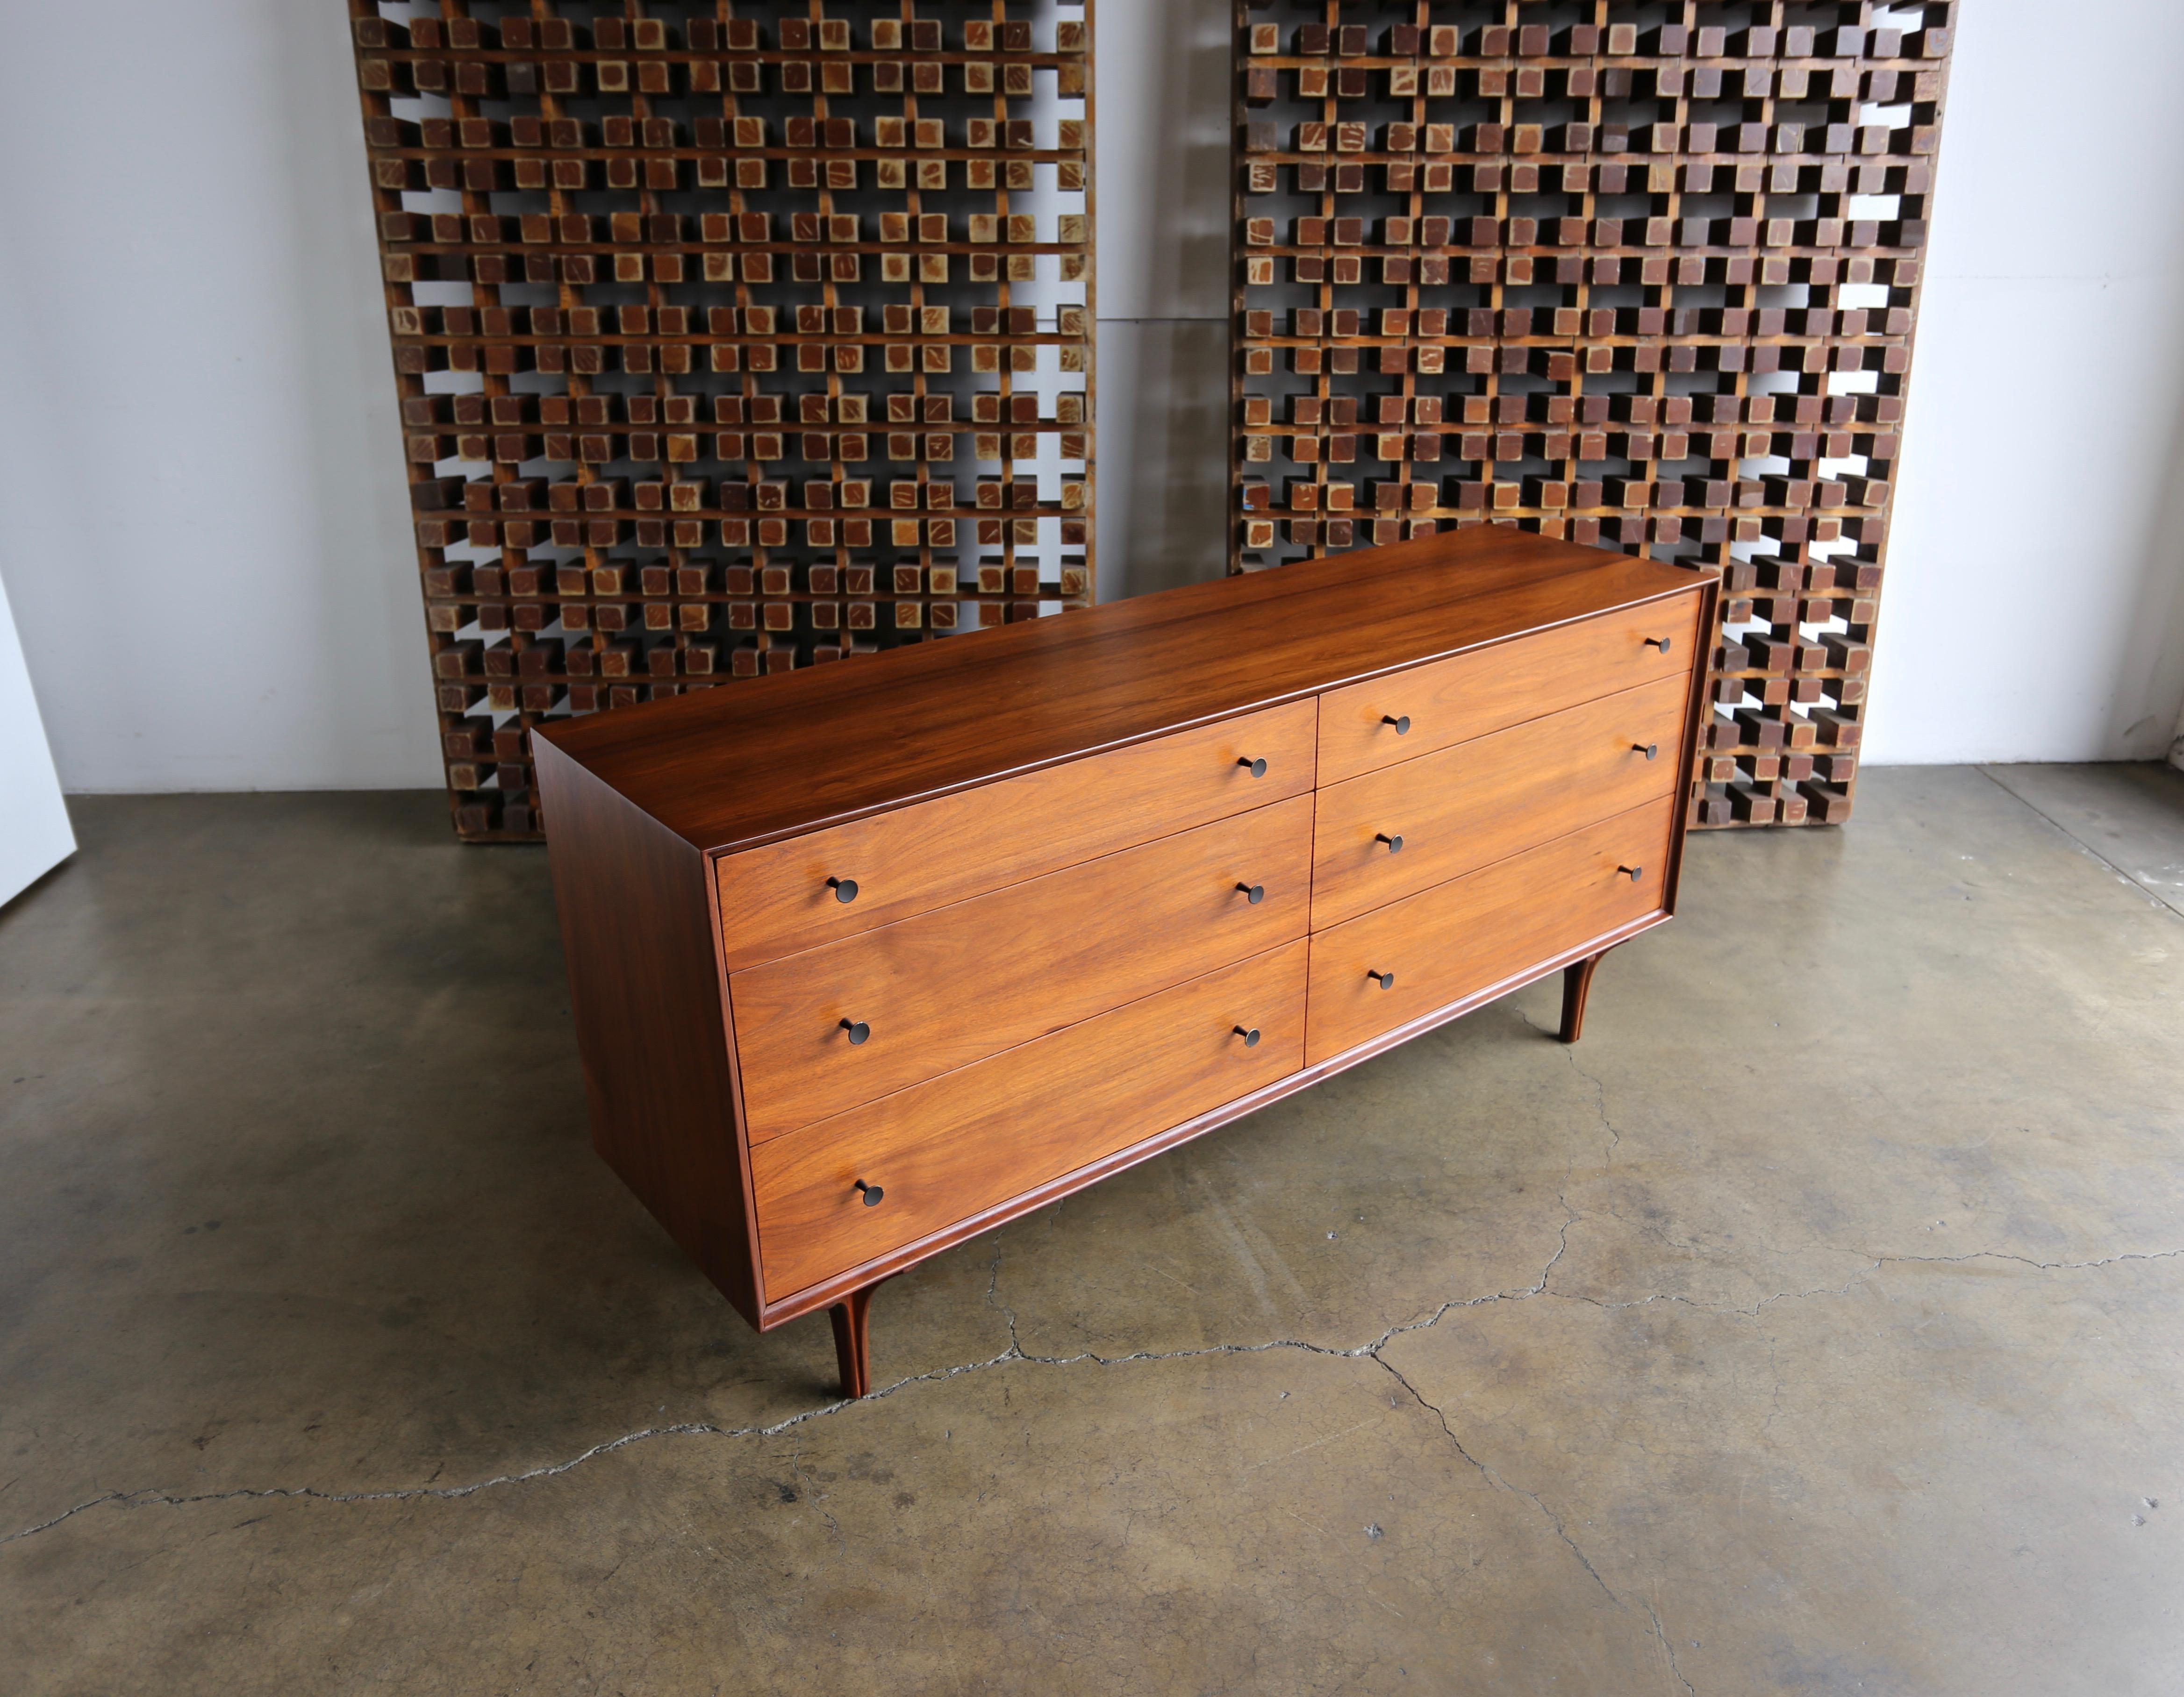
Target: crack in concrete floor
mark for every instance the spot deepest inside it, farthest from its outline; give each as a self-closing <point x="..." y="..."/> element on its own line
<point x="1599" y="1087"/>
<point x="152" y="1497"/>
<point x="1668" y="1649"/>
<point x="1650" y="1623"/>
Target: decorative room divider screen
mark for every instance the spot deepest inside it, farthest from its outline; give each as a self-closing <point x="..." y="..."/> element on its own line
<point x="730" y="339"/>
<point x="1628" y="272"/>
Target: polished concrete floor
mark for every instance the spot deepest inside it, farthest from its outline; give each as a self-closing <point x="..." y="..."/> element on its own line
<point x="1816" y="1326"/>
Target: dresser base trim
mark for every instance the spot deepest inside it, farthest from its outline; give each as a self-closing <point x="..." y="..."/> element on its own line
<point x="842" y="1287"/>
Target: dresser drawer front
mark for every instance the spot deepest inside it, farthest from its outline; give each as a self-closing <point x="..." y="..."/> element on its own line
<point x="1463" y="937"/>
<point x="954" y="986"/>
<point x="957" y="1146"/>
<point x="1484" y="800"/>
<point x="1472" y="695"/>
<point x="776" y="900"/>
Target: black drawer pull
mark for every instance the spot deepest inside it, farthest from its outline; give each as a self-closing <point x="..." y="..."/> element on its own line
<point x="873" y="1194"/>
<point x="1648" y="749"/>
<point x="1395" y="844"/>
<point x="1386" y="981"/>
<point x="1251" y="1037"/>
<point x="845" y="889"/>
<point x="1401" y="721"/>
<point x="1255" y="893"/>
<point x="1661" y="642"/>
<point x="1256" y="768"/>
<point x="1633" y="873"/>
<point x="857" y="1029"/>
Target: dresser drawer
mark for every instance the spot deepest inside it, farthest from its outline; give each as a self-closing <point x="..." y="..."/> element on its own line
<point x="956" y="985"/>
<point x="1484" y="800"/>
<point x="1466" y="935"/>
<point x="776" y="900"/>
<point x="957" y="1146"/>
<point x="1471" y="695"/>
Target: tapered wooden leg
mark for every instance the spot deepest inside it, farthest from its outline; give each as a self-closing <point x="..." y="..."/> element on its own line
<point x="852" y="1340"/>
<point x="1577" y="985"/>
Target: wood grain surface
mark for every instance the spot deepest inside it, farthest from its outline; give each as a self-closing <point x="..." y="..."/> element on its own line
<point x="1484" y="800"/>
<point x="728" y="769"/>
<point x="1457" y="937"/>
<point x="775" y="900"/>
<point x="1489" y="689"/>
<point x="954" y="986"/>
<point x="947" y="1149"/>
<point x="646" y="998"/>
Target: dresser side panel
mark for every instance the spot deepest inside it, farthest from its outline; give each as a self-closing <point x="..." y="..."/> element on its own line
<point x="645" y="987"/>
<point x="1695" y="726"/>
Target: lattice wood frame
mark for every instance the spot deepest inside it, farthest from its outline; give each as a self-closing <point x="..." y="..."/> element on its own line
<point x="663" y="215"/>
<point x="1608" y="244"/>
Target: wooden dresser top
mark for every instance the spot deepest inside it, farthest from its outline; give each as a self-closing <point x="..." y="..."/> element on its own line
<point x="744" y="763"/>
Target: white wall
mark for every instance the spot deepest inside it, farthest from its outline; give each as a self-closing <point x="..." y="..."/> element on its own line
<point x="202" y="521"/>
<point x="2034" y="606"/>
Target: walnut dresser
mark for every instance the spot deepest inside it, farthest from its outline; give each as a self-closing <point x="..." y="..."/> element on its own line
<point x="870" y="958"/>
